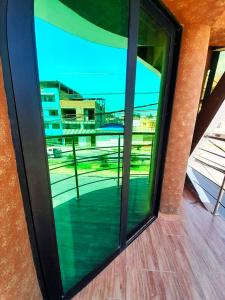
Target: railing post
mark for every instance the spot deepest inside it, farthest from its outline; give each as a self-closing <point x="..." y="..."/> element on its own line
<point x="150" y="168"/>
<point x="75" y="169"/>
<point x="219" y="199"/>
<point x="118" y="173"/>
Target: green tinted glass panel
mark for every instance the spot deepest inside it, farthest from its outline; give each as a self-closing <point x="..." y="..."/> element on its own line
<point x="151" y="66"/>
<point x="82" y="72"/>
<point x="220" y="69"/>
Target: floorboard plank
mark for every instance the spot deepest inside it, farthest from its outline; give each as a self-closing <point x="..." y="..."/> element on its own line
<point x="176" y="258"/>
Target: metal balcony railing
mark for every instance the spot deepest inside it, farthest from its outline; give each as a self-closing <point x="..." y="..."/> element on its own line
<point x="108" y="157"/>
<point x="216" y="162"/>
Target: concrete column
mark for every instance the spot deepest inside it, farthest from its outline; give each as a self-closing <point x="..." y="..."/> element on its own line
<point x="18" y="278"/>
<point x="190" y="76"/>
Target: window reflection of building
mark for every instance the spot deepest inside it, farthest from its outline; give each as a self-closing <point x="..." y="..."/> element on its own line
<point x="66" y="112"/>
<point x="50" y="97"/>
<point x="81" y="113"/>
<point x="144" y="124"/>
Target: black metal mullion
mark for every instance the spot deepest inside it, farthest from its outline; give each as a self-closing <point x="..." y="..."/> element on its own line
<point x="8" y="85"/>
<point x="23" y="66"/>
<point x="129" y="109"/>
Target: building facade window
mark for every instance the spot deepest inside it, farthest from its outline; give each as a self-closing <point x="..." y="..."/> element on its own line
<point x="71" y="126"/>
<point x="55" y="126"/>
<point x="69" y="113"/>
<point x="53" y="112"/>
<point x="47" y="125"/>
<point x="89" y="126"/>
<point x="89" y="114"/>
<point x="48" y="98"/>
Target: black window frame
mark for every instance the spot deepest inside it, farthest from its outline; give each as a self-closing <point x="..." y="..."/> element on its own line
<point x="23" y="97"/>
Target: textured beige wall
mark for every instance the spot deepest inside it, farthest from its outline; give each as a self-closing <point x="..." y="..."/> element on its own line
<point x="190" y="76"/>
<point x="17" y="273"/>
<point x="208" y="12"/>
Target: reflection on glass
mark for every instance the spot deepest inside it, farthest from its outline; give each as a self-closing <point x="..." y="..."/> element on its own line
<point x="151" y="64"/>
<point x="82" y="71"/>
<point x="220" y="69"/>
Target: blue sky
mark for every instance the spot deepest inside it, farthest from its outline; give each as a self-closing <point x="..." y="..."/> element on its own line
<point x="92" y="69"/>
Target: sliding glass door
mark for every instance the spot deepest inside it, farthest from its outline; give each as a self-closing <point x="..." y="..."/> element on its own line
<point x="90" y="94"/>
<point x="151" y="68"/>
<point x="82" y="61"/>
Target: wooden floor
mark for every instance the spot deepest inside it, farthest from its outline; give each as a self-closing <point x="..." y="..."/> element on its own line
<point x="181" y="257"/>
